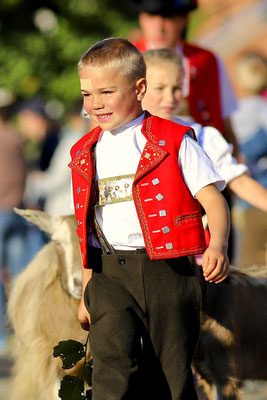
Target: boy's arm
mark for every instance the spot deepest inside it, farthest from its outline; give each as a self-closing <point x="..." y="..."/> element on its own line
<point x="215" y="261"/>
<point x="83" y="315"/>
<point x="250" y="190"/>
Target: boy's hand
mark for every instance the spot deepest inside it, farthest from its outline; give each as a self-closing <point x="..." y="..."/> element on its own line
<point x="84" y="316"/>
<point x="215" y="264"/>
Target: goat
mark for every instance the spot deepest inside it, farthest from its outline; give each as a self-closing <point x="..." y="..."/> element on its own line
<point x="42" y="308"/>
<point x="232" y="344"/>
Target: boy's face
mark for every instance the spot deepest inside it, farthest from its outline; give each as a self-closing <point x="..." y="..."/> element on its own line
<point x="164" y="90"/>
<point x="109" y="98"/>
<point x="162" y="32"/>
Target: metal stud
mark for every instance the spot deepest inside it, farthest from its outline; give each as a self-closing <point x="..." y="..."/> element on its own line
<point x="162" y="143"/>
<point x="159" y="196"/>
<point x="162" y="213"/>
<point x="169" y="246"/>
<point x="78" y="190"/>
<point x="166" y="229"/>
<point x="77" y="206"/>
<point x="155" y="181"/>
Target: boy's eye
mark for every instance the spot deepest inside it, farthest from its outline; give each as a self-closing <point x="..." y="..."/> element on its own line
<point x="107" y="92"/>
<point x="86" y="94"/>
<point x="159" y="88"/>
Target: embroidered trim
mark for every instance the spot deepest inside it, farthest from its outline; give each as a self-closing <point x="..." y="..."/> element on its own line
<point x="144" y="224"/>
<point x="147" y="164"/>
<point x="78" y="164"/>
<point x="148" y="129"/>
<point x="187" y="218"/>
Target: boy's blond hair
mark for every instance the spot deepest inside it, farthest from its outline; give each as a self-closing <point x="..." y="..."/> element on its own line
<point x="115" y="53"/>
<point x="152" y="57"/>
<point x="251" y="73"/>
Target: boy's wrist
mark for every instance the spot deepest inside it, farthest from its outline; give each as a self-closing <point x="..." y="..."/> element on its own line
<point x="220" y="245"/>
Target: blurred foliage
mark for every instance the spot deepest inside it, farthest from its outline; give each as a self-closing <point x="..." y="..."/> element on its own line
<point x="42" y="41"/>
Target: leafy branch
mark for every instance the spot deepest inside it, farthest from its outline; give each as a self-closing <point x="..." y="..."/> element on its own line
<point x="73" y="387"/>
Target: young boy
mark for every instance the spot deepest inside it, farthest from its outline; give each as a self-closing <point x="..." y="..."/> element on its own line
<point x="164" y="96"/>
<point x="137" y="181"/>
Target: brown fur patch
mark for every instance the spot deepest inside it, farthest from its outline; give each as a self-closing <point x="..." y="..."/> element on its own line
<point x="224" y="335"/>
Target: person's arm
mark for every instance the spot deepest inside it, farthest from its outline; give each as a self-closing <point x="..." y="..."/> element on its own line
<point x="250" y="190"/>
<point x="231" y="138"/>
<point x="83" y="315"/>
<point x="215" y="261"/>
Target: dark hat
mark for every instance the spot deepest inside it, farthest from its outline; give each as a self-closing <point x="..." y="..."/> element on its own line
<point x="165" y="7"/>
<point x="36" y="105"/>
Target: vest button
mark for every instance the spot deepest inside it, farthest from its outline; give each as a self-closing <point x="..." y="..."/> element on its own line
<point x="122" y="261"/>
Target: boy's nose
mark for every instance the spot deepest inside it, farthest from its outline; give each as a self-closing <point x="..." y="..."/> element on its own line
<point x="169" y="96"/>
<point x="97" y="102"/>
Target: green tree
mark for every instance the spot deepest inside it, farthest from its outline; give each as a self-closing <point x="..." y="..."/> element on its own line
<point x="42" y="41"/>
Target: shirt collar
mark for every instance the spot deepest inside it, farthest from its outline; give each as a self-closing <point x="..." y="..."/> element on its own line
<point x="130" y="125"/>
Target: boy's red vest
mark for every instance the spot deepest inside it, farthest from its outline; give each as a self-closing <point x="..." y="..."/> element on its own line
<point x="204" y="99"/>
<point x="169" y="216"/>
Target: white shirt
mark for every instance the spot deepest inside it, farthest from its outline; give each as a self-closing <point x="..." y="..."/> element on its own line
<point x="249" y="118"/>
<point x="218" y="149"/>
<point x="118" y="153"/>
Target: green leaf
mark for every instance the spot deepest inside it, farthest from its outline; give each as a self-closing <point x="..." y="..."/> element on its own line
<point x="70" y="352"/>
<point x="87" y="373"/>
<point x="71" y="388"/>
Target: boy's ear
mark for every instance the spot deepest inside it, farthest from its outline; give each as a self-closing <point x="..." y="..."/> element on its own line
<point x="140" y="88"/>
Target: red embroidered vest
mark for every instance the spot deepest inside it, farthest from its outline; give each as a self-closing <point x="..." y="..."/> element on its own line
<point x="204" y="99"/>
<point x="169" y="216"/>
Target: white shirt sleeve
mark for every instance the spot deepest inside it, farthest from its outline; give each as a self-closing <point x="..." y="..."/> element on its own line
<point x="197" y="168"/>
<point x="228" y="100"/>
<point x="220" y="152"/>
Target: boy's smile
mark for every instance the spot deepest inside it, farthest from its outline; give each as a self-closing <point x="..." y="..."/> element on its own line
<point x="110" y="99"/>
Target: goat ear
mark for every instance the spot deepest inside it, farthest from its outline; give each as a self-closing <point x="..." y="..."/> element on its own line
<point x="39" y="218"/>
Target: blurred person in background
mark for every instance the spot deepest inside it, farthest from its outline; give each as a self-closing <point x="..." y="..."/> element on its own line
<point x="12" y="226"/>
<point x="250" y="124"/>
<point x="209" y="97"/>
<point x="40" y="139"/>
<point x="54" y="184"/>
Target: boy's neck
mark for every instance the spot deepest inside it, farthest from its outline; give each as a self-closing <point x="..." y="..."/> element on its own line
<point x="136" y="121"/>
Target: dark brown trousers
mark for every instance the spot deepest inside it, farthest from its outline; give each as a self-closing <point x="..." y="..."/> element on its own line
<point x="145" y="327"/>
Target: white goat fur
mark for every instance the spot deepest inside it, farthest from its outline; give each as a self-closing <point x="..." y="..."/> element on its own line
<point x="41" y="313"/>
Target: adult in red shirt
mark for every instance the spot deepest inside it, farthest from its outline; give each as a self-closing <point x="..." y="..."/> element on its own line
<point x="208" y="93"/>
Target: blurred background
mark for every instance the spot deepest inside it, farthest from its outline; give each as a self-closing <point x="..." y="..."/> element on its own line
<point x="41" y="41"/>
<point x="41" y="110"/>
